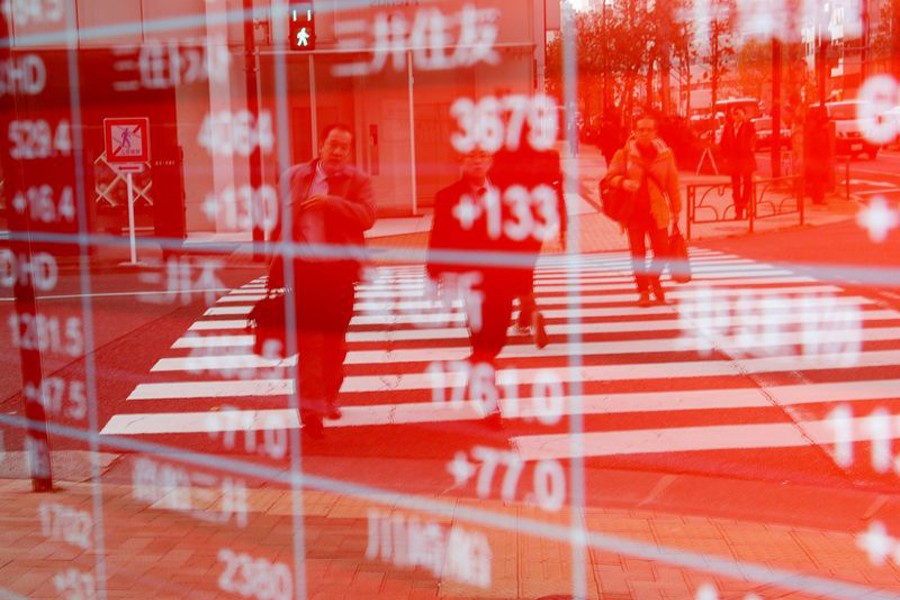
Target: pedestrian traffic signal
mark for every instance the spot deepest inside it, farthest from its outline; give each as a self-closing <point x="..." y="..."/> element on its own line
<point x="302" y="30"/>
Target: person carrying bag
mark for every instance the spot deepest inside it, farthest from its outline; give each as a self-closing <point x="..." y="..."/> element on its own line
<point x="646" y="177"/>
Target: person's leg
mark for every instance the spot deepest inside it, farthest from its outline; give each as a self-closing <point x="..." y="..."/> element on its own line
<point x="341" y="292"/>
<point x="496" y="312"/>
<point x="636" y="233"/>
<point x="312" y="310"/>
<point x="817" y="186"/>
<point x="659" y="241"/>
<point x="311" y="385"/>
<point x="747" y="192"/>
<point x="487" y="343"/>
<point x="526" y="310"/>
<point x="736" y="194"/>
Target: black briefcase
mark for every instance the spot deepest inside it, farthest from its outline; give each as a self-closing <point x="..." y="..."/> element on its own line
<point x="680" y="267"/>
<point x="266" y="322"/>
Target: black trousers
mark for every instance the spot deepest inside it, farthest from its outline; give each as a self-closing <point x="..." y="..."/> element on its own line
<point x="816" y="180"/>
<point x="741" y="190"/>
<point x="641" y="228"/>
<point x="324" y="296"/>
<point x="490" y="335"/>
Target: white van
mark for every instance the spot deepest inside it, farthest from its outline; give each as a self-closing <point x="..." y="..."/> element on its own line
<point x="852" y="119"/>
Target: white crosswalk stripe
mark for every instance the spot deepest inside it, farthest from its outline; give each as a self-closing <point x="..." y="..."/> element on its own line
<point x="402" y="343"/>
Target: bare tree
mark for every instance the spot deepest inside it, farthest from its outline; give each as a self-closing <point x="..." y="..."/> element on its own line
<point x="721" y="51"/>
<point x="685" y="53"/>
<point x="754" y="68"/>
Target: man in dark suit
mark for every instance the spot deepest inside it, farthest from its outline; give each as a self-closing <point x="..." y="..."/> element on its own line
<point x="541" y="171"/>
<point x="738" y="146"/>
<point x="330" y="205"/>
<point x="465" y="238"/>
<point x="490" y="310"/>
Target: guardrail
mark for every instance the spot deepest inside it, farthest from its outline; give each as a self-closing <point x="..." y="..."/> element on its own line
<point x="773" y="197"/>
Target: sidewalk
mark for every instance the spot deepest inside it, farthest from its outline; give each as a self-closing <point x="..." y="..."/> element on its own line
<point x="408" y="236"/>
<point x="154" y="547"/>
<point x="157" y="547"/>
<point x="597" y="233"/>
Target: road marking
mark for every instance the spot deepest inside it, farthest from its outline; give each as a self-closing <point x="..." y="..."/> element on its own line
<point x="200" y="422"/>
<point x="611" y="296"/>
<point x="585" y="285"/>
<point x="635" y="325"/>
<point x="429" y="412"/>
<point x="122" y="294"/>
<point x="729" y="345"/>
<point x="878" y="192"/>
<point x="407" y="382"/>
<point x="421" y="318"/>
<point x="214" y="325"/>
<point x="418" y="305"/>
<point x="686" y="439"/>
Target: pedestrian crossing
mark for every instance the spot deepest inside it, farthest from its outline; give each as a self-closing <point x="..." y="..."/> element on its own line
<point x="748" y="355"/>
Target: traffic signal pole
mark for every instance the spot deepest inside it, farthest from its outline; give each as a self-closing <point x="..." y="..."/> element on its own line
<point x="776" y="106"/>
<point x="252" y="73"/>
<point x="37" y="443"/>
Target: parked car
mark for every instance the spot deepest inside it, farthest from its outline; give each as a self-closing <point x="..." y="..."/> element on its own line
<point x="708" y="126"/>
<point x="763" y="126"/>
<point x="892" y="118"/>
<point x="851" y="123"/>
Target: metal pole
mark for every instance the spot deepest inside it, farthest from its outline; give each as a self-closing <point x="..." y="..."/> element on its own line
<point x="776" y="107"/>
<point x="37" y="444"/>
<point x="821" y="67"/>
<point x="543" y="82"/>
<point x="864" y="42"/>
<point x="690" y="210"/>
<point x="412" y="132"/>
<point x="752" y="207"/>
<point x="132" y="241"/>
<point x="847" y="177"/>
<point x="605" y="75"/>
<point x="313" y="105"/>
<point x="255" y="157"/>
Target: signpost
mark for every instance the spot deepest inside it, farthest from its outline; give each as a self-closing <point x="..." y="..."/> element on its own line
<point x="127" y="145"/>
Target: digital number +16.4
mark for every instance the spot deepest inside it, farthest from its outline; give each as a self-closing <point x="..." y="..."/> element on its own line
<point x="39" y="203"/>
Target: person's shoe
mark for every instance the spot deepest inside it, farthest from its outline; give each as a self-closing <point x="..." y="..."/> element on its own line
<point x="658" y="293"/>
<point x="523" y="321"/>
<point x="644" y="300"/>
<point x="313" y="427"/>
<point x="494" y="420"/>
<point x="541" y="339"/>
<point x="333" y="411"/>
